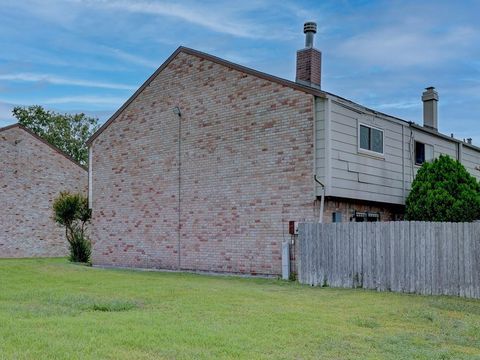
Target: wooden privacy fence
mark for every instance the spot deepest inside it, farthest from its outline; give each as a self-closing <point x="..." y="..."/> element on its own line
<point x="412" y="257"/>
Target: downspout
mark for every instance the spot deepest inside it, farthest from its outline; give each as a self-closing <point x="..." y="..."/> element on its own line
<point x="176" y="111"/>
<point x="322" y="199"/>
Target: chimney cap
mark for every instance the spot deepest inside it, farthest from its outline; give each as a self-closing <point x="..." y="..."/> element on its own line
<point x="310" y="26"/>
<point x="430" y="94"/>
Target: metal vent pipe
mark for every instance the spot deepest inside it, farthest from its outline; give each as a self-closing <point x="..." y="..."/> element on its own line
<point x="309" y="29"/>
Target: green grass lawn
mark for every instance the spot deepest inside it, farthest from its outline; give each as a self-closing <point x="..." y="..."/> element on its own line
<point x="50" y="309"/>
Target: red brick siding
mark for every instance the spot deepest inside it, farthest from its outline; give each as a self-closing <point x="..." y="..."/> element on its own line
<point x="31" y="176"/>
<point x="309" y="63"/>
<point x="246" y="169"/>
<point x="388" y="212"/>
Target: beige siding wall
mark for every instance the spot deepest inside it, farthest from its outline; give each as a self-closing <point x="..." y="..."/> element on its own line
<point x="320" y="155"/>
<point x="356" y="174"/>
<point x="353" y="173"/>
<point x="246" y="154"/>
<point x="471" y="160"/>
<point x="32" y="174"/>
<point x="441" y="146"/>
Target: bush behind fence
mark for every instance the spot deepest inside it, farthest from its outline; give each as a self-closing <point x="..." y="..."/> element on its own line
<point x="405" y="256"/>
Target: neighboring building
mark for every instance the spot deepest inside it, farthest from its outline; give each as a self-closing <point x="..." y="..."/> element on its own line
<point x="205" y="165"/>
<point x="32" y="174"/>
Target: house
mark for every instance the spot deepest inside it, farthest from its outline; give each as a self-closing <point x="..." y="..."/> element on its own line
<point x="373" y="158"/>
<point x="32" y="173"/>
<point x="208" y="161"/>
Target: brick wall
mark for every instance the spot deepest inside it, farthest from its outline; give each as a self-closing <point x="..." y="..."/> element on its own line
<point x="347" y="207"/>
<point x="309" y="64"/>
<point x="31" y="176"/>
<point x="246" y="153"/>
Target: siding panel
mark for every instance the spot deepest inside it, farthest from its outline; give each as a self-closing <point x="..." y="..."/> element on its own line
<point x="359" y="175"/>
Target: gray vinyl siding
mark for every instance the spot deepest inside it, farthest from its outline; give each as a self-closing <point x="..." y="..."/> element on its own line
<point x="471" y="160"/>
<point x="355" y="174"/>
<point x="350" y="172"/>
<point x="320" y="156"/>
<point x="441" y="146"/>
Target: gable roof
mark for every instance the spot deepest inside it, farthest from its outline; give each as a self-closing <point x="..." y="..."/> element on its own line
<point x="217" y="60"/>
<point x="19" y="126"/>
<point x="288" y="83"/>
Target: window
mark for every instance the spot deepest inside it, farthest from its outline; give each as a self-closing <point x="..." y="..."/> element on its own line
<point x="371" y="139"/>
<point x="365" y="216"/>
<point x="336" y="217"/>
<point x="423" y="152"/>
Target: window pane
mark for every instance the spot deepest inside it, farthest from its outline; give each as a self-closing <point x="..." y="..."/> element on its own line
<point x="364" y="137"/>
<point x="377" y="140"/>
<point x="419" y="153"/>
<point x="429" y="153"/>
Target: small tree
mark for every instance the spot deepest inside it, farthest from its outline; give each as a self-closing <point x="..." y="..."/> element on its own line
<point x="71" y="211"/>
<point x="443" y="190"/>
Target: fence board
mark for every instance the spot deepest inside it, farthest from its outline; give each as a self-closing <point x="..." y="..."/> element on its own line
<point x="460" y="260"/>
<point x="475" y="287"/>
<point x="428" y="281"/>
<point x="393" y="258"/>
<point x="466" y="261"/>
<point x="416" y="257"/>
<point x="358" y="256"/>
<point x="404" y="239"/>
<point x="443" y="266"/>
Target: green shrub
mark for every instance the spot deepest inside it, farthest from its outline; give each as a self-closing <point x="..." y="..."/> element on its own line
<point x="71" y="211"/>
<point x="80" y="247"/>
<point x="443" y="190"/>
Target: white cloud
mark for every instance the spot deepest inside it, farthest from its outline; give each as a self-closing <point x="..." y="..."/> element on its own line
<point x="403" y="46"/>
<point x="57" y="80"/>
<point x="397" y="105"/>
<point x="134" y="59"/>
<point x="86" y="99"/>
<point x="221" y="19"/>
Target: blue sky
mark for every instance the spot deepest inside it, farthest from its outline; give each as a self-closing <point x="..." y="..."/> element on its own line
<point x="90" y="56"/>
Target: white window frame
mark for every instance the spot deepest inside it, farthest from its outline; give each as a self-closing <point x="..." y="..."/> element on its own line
<point x="371" y="152"/>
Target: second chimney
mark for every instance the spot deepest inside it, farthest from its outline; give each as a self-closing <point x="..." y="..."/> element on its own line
<point x="309" y="59"/>
<point x="430" y="108"/>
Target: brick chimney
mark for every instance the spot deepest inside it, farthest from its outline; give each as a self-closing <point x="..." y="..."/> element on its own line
<point x="430" y="110"/>
<point x="309" y="59"/>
